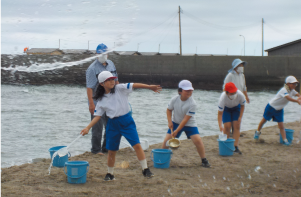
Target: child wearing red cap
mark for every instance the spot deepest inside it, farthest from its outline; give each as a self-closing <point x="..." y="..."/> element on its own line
<point x="231" y="107"/>
<point x="181" y="117"/>
<point x="274" y="108"/>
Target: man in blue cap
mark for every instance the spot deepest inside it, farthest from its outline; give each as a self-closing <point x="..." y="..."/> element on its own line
<point x="236" y="76"/>
<point x="100" y="64"/>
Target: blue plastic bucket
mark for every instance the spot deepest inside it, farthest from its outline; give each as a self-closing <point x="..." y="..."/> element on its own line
<point x="226" y="148"/>
<point x="161" y="157"/>
<point x="289" y="136"/>
<point x="76" y="171"/>
<point x="57" y="160"/>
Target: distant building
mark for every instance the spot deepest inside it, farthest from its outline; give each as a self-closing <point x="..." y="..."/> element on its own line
<point x="44" y="51"/>
<point x="288" y="49"/>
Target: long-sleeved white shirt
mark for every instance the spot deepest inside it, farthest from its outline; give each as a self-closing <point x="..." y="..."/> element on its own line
<point x="238" y="79"/>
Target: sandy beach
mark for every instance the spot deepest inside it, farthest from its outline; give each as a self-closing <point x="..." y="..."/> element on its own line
<point x="266" y="168"/>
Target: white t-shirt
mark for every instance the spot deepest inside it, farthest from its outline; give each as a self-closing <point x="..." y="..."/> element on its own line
<point x="224" y="101"/>
<point x="238" y="79"/>
<point x="115" y="104"/>
<point x="279" y="101"/>
<point x="182" y="108"/>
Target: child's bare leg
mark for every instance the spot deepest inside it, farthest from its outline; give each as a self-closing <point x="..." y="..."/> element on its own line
<point x="139" y="152"/>
<point x="196" y="139"/>
<point x="262" y="122"/>
<point x="167" y="137"/>
<point x="227" y="128"/>
<point x="282" y="131"/>
<point x="236" y="132"/>
<point x="111" y="158"/>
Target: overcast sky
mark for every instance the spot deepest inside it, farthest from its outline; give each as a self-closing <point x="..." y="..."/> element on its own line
<point x="208" y="27"/>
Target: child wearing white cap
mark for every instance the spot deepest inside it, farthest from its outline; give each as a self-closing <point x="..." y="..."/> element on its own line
<point x="274" y="108"/>
<point x="236" y="76"/>
<point x="183" y="119"/>
<point x="112" y="99"/>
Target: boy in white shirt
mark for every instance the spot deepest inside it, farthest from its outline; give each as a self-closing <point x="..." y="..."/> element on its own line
<point x="183" y="119"/>
<point x="231" y="107"/>
<point x="274" y="108"/>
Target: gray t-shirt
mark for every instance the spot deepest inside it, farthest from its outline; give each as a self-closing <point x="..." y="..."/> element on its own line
<point x="94" y="69"/>
<point x="181" y="108"/>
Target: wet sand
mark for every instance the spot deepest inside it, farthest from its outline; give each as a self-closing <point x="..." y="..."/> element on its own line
<point x="279" y="173"/>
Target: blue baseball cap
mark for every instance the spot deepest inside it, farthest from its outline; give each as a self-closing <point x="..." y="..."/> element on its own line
<point x="235" y="63"/>
<point x="101" y="48"/>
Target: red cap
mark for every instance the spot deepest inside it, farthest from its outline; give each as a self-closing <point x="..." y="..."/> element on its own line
<point x="230" y="87"/>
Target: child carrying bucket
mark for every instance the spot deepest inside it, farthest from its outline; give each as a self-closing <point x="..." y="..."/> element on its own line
<point x="231" y="107"/>
<point x="183" y="119"/>
<point x="274" y="108"/>
<point x="113" y="99"/>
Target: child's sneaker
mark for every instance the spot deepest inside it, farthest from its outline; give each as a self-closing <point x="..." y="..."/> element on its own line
<point x="286" y="143"/>
<point x="147" y="173"/>
<point x="256" y="135"/>
<point x="237" y="150"/>
<point x="109" y="177"/>
<point x="206" y="164"/>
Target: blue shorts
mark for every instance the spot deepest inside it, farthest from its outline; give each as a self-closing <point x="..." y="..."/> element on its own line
<point x="271" y="112"/>
<point x="118" y="127"/>
<point x="231" y="114"/>
<point x="188" y="130"/>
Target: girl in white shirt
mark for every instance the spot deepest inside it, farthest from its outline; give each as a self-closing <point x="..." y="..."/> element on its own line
<point x="113" y="100"/>
<point x="274" y="109"/>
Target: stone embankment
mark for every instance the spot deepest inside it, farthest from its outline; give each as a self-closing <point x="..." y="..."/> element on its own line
<point x="205" y="72"/>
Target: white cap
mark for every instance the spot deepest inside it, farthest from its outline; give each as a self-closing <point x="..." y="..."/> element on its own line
<point x="105" y="75"/>
<point x="185" y="85"/>
<point x="291" y="79"/>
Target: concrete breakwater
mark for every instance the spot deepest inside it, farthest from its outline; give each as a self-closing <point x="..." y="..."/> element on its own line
<point x="205" y="72"/>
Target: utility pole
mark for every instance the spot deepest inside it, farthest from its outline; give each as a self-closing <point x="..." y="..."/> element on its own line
<point x="137" y="47"/>
<point x="88" y="44"/>
<point x="244" y="45"/>
<point x="59" y="43"/>
<point x="262" y="36"/>
<point x="180" y="30"/>
<point x="159" y="49"/>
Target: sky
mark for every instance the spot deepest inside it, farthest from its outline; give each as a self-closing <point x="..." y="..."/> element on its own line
<point x="207" y="27"/>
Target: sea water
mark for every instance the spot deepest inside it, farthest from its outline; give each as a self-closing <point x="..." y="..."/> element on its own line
<point x="36" y="118"/>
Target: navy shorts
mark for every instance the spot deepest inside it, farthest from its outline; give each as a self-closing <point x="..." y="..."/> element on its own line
<point x="271" y="112"/>
<point x="231" y="114"/>
<point x="188" y="130"/>
<point x="118" y="127"/>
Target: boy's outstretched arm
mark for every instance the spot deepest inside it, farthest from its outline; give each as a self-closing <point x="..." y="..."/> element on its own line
<point x="293" y="100"/>
<point x="181" y="125"/>
<point x="92" y="123"/>
<point x="155" y="88"/>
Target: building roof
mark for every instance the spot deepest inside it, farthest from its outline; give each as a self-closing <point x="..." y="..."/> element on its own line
<point x="284" y="45"/>
<point x="77" y="51"/>
<point x="42" y="50"/>
<point x="125" y="52"/>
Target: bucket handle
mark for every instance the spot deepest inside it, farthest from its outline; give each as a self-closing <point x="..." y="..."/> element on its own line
<point x="159" y="162"/>
<point x="76" y="177"/>
<point x="229" y="147"/>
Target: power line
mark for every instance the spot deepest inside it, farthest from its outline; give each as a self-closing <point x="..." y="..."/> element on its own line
<point x="170" y="16"/>
<point x="215" y="25"/>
